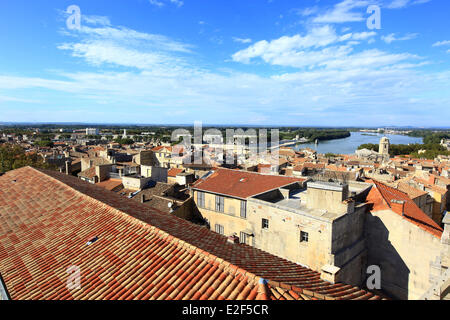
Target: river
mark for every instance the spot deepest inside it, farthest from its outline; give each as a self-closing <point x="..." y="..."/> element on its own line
<point x="350" y="144"/>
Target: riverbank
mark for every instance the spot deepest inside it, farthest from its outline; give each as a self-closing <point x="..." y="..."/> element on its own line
<point x="350" y="144"/>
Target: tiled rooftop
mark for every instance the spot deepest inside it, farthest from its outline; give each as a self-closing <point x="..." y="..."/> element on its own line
<point x="382" y="196"/>
<point x="47" y="218"/>
<point x="242" y="184"/>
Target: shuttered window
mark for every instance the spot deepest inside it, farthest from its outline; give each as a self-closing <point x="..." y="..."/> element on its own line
<point x="244" y="238"/>
<point x="219" y="204"/>
<point x="220" y="229"/>
<point x="201" y="199"/>
<point x="244" y="209"/>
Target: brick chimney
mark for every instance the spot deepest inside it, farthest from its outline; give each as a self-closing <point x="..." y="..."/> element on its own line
<point x="398" y="206"/>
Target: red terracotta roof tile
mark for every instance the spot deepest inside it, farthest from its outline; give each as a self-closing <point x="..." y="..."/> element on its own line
<point x="47" y="218"/>
<point x="241" y="184"/>
<point x="173" y="172"/>
<point x="382" y="196"/>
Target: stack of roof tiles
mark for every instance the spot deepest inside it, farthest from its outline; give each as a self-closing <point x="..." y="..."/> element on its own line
<point x="47" y="220"/>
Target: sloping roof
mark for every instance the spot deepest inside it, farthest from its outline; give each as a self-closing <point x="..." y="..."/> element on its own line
<point x="410" y="190"/>
<point x="111" y="184"/>
<point x="88" y="173"/>
<point x="47" y="218"/>
<point x="162" y="148"/>
<point x="382" y="195"/>
<point x="241" y="184"/>
<point x="173" y="172"/>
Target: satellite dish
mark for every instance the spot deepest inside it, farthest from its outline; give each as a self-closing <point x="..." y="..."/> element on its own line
<point x="170" y="204"/>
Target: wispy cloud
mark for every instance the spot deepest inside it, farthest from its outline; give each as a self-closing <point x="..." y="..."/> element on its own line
<point x="392" y="37"/>
<point x="242" y="40"/>
<point x="306" y="12"/>
<point x="441" y="43"/>
<point x="161" y="3"/>
<point x="96" y="20"/>
<point x="345" y="11"/>
<point x="399" y="4"/>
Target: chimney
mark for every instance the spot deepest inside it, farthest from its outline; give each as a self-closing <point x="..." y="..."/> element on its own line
<point x="233" y="239"/>
<point x="330" y="273"/>
<point x="67" y="167"/>
<point x="398" y="205"/>
<point x="143" y="198"/>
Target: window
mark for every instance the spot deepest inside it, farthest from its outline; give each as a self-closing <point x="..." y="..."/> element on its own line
<point x="304" y="236"/>
<point x="201" y="199"/>
<point x="220" y="229"/>
<point x="244" y="238"/>
<point x="219" y="204"/>
<point x="244" y="209"/>
<point x="265" y="224"/>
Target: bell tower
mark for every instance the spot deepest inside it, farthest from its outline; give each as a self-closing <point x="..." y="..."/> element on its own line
<point x="384" y="146"/>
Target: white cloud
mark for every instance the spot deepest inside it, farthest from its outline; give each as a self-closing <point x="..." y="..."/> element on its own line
<point x="441" y="43"/>
<point x="242" y="40"/>
<point x="344" y="12"/>
<point x="302" y="51"/>
<point x="307" y="11"/>
<point x="396" y="4"/>
<point x="160" y="3"/>
<point x="178" y="3"/>
<point x="96" y="20"/>
<point x="99" y="52"/>
<point x="156" y="3"/>
<point x="399" y="4"/>
<point x="317" y="37"/>
<point x="391" y="37"/>
<point x="15" y="99"/>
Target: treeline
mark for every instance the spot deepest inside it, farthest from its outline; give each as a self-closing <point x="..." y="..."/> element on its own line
<point x="430" y="137"/>
<point x="124" y="141"/>
<point x="14" y="157"/>
<point x="432" y="149"/>
<point x="315" y="134"/>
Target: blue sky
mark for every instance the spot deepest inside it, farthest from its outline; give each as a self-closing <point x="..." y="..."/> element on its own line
<point x="258" y="62"/>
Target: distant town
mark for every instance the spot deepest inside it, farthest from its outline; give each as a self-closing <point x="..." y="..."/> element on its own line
<point x="324" y="219"/>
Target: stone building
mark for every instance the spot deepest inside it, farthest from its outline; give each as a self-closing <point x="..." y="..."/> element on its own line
<point x="316" y="224"/>
<point x="403" y="241"/>
<point x="384" y="146"/>
<point x="336" y="229"/>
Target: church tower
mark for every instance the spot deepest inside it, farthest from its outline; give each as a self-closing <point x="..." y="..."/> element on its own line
<point x="384" y="146"/>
